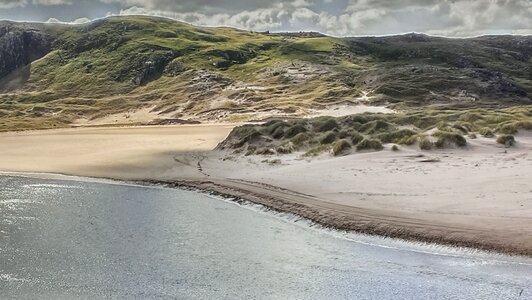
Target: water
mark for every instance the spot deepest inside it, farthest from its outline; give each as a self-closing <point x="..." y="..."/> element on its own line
<point x="70" y="239"/>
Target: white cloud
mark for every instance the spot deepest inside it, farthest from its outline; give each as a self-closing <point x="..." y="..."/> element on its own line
<point x="81" y="21"/>
<point x="53" y="21"/>
<point x="22" y="3"/>
<point x="333" y="17"/>
<point x="51" y="2"/>
<point x="362" y="17"/>
<point x="77" y="21"/>
<point x="11" y="3"/>
<point x="207" y="6"/>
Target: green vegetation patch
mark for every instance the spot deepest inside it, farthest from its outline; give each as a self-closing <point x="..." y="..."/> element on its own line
<point x="425" y="144"/>
<point x="506" y="140"/>
<point x="340" y="147"/>
<point x="328" y="138"/>
<point x="121" y="64"/>
<point x="369" y="144"/>
<point x="428" y="129"/>
<point x="446" y="139"/>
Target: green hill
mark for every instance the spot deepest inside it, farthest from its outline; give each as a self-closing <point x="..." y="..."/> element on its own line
<point x="52" y="75"/>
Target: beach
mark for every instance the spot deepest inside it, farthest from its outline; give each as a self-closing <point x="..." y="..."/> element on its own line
<point x="479" y="196"/>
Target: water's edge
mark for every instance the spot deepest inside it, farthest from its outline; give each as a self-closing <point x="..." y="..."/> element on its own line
<point x="287" y="212"/>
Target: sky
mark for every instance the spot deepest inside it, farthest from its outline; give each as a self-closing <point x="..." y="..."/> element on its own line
<point x="453" y="18"/>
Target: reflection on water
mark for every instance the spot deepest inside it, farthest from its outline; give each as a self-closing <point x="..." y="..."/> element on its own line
<point x="65" y="239"/>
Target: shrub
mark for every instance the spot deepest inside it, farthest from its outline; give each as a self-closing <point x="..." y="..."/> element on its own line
<point x="300" y="138"/>
<point x="443" y="126"/>
<point x="265" y="151"/>
<point x="271" y="126"/>
<point x="316" y="150"/>
<point x="369" y="144"/>
<point x="356" y="137"/>
<point x="508" y="128"/>
<point x="244" y="131"/>
<point x="272" y="161"/>
<point x="344" y="134"/>
<point x="246" y="134"/>
<point x="328" y="138"/>
<point x="273" y="122"/>
<point x="395" y="136"/>
<point x="327" y="125"/>
<point x="340" y="147"/>
<point x="285" y="149"/>
<point x="471" y="117"/>
<point x="449" y="138"/>
<point x="527" y="125"/>
<point x="425" y="143"/>
<point x="294" y="130"/>
<point x="251" y="150"/>
<point x="356" y="120"/>
<point x="375" y="126"/>
<point x="512" y="128"/>
<point x="355" y="125"/>
<point x="408" y="140"/>
<point x="460" y="127"/>
<point x="486" y="132"/>
<point x="278" y="133"/>
<point x="506" y="139"/>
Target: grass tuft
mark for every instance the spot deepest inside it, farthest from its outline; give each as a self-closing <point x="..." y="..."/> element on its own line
<point x="326" y="125"/>
<point x="486" y="132"/>
<point x="446" y="139"/>
<point x="396" y="136"/>
<point x="300" y="139"/>
<point x="506" y="140"/>
<point x="340" y="147"/>
<point x="356" y="137"/>
<point x="508" y="129"/>
<point x="425" y="143"/>
<point x="317" y="150"/>
<point x="328" y="138"/>
<point x="369" y="144"/>
<point x="294" y="130"/>
<point x="285" y="149"/>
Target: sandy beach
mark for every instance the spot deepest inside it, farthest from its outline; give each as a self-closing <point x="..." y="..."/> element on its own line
<point x="479" y="196"/>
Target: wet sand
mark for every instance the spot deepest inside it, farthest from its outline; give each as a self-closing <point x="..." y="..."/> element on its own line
<point x="478" y="197"/>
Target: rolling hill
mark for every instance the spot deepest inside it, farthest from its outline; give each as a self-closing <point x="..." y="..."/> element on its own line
<point x="160" y="71"/>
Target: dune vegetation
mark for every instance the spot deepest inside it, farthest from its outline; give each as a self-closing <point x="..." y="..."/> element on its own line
<point x="428" y="129"/>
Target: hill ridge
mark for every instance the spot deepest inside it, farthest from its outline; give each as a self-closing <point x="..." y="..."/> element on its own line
<point x="118" y="65"/>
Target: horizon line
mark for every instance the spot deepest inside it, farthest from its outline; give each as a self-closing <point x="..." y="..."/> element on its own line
<point x="260" y="31"/>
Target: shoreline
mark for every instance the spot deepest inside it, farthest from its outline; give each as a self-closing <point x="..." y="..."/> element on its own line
<point x="333" y="216"/>
<point x="476" y="198"/>
<point x="281" y="201"/>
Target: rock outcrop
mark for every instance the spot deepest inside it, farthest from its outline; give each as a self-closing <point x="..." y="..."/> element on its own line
<point x="20" y="46"/>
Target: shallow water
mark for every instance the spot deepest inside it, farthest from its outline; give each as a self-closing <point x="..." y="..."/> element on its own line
<point x="69" y="239"/>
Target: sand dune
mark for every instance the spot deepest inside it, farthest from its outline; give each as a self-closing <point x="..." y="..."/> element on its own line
<point x="480" y="196"/>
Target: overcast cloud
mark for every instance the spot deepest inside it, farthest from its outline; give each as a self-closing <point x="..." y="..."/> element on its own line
<point x="333" y="17"/>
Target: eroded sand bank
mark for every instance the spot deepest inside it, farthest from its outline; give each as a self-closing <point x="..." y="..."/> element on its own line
<point x="480" y="196"/>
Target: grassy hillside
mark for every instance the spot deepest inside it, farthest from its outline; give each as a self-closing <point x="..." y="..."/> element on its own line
<point x="175" y="70"/>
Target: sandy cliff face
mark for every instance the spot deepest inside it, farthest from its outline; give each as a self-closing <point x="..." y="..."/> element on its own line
<point x="20" y="46"/>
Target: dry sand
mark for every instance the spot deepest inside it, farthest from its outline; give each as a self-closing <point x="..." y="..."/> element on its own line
<point x="480" y="196"/>
<point x="120" y="152"/>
